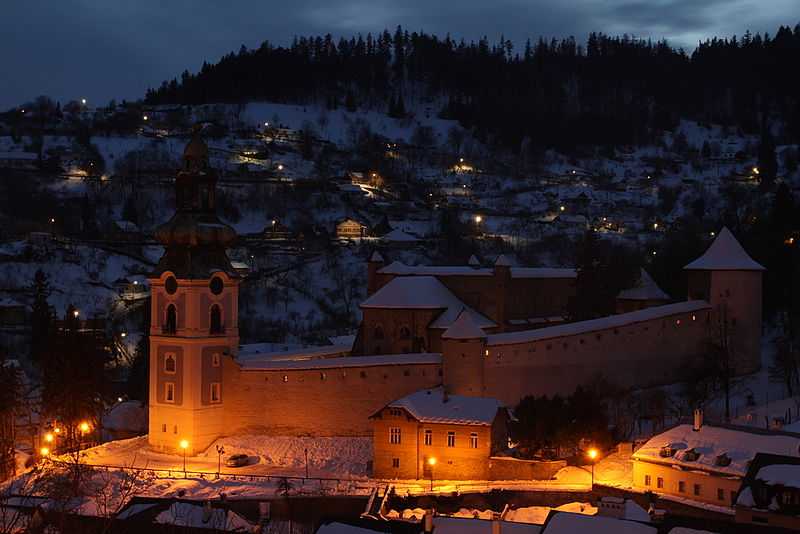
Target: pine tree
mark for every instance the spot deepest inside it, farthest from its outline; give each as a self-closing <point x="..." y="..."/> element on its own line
<point x="41" y="317"/>
<point x="767" y="160"/>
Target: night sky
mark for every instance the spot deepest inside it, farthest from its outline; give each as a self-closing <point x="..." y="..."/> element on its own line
<point x="103" y="49"/>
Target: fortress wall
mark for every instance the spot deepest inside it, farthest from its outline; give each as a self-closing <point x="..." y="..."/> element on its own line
<point x="320" y="402"/>
<point x="629" y="354"/>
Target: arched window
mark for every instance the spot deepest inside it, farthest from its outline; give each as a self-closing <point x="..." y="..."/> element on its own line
<point x="378" y="332"/>
<point x="405" y="332"/>
<point x="171" y="320"/>
<point x="169" y="363"/>
<point x="216" y="320"/>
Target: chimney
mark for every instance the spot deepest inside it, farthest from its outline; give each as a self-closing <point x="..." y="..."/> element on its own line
<point x="698" y="419"/>
<point x="427" y="522"/>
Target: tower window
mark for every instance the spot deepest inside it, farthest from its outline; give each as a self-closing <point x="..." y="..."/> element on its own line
<point x="216" y="320"/>
<point x="171" y="285"/>
<point x="169" y="363"/>
<point x="215" y="392"/>
<point x="216" y="285"/>
<point x="171" y="320"/>
<point x="169" y="392"/>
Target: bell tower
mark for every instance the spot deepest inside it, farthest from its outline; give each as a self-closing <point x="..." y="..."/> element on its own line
<point x="194" y="331"/>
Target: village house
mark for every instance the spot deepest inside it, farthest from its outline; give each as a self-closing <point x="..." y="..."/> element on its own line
<point x="351" y="229"/>
<point x="770" y="492"/>
<point x="705" y="463"/>
<point x="430" y="434"/>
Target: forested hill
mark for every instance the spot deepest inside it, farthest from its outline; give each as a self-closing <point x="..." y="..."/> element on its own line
<point x="558" y="93"/>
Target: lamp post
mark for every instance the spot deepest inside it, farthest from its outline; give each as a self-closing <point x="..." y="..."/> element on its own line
<point x="220" y="452"/>
<point x="184" y="445"/>
<point x="431" y="462"/>
<point x="592" y="454"/>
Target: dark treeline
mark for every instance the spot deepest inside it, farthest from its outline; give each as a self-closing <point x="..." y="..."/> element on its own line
<point x="558" y="93"/>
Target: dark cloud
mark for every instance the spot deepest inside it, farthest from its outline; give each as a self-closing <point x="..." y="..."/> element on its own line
<point x="102" y="49"/>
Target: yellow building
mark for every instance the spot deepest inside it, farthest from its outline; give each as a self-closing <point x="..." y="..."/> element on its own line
<point x="430" y="434"/>
<point x="705" y="463"/>
<point x="350" y="229"/>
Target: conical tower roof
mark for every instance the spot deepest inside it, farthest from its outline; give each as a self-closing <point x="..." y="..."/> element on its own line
<point x="464" y="328"/>
<point x="725" y="254"/>
<point x="644" y="289"/>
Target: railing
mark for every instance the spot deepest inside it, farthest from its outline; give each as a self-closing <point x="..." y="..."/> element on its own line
<point x="333" y="484"/>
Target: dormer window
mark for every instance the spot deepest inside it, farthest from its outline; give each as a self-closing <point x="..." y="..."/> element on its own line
<point x="691" y="455"/>
<point x="722" y="460"/>
<point x="666" y="452"/>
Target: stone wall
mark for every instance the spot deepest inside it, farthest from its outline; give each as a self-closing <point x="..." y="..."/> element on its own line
<point x="319" y="402"/>
<point x="629" y="354"/>
<point x="505" y="468"/>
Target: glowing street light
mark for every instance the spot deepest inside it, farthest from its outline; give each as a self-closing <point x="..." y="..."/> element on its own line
<point x="184" y="445"/>
<point x="592" y="454"/>
<point x="431" y="462"/>
<point x="461" y="160"/>
<point x="48" y="438"/>
<point x="44" y="451"/>
<point x="84" y="427"/>
<point x="478" y="219"/>
<point x="280" y="166"/>
<point x="76" y="313"/>
<point x="756" y="171"/>
<point x="562" y="208"/>
<point x="655" y="226"/>
<point x="145" y="118"/>
<point x="83" y="101"/>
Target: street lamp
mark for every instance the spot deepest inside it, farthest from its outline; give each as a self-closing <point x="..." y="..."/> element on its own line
<point x="592" y="454"/>
<point x="48" y="438"/>
<point x="84" y="426"/>
<point x="478" y="219"/>
<point x="145" y="118"/>
<point x="220" y="452"/>
<point x="431" y="462"/>
<point x="75" y="314"/>
<point x="184" y="445"/>
<point x="83" y="101"/>
<point x="44" y="452"/>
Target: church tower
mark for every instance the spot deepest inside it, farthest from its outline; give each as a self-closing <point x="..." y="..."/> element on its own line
<point x="194" y="325"/>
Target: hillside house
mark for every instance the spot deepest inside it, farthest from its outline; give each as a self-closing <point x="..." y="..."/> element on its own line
<point x="770" y="492"/>
<point x="351" y="229"/>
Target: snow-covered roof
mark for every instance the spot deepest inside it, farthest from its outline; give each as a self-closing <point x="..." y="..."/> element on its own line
<point x="128" y="415"/>
<point x="502" y="261"/>
<point x="265" y="351"/>
<point x="341" y="362"/>
<point x="603" y="323"/>
<point x="725" y="254"/>
<point x="431" y="406"/>
<point x="464" y="328"/>
<point x="193" y="515"/>
<point x="780" y="475"/>
<point x="468" y="525"/>
<point x="343" y="528"/>
<point x="397" y="236"/>
<point x="740" y="444"/>
<point x="126" y="226"/>
<point x="645" y="289"/>
<point x="401" y="269"/>
<point x="569" y="523"/>
<point x="423" y="292"/>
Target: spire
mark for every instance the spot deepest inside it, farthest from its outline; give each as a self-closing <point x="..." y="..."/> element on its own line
<point x="725" y="254"/>
<point x="644" y="289"/>
<point x="464" y="327"/>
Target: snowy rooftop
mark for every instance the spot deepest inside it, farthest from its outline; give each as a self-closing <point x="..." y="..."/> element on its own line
<point x="645" y="289"/>
<point x="465" y="525"/>
<point x="464" y="328"/>
<point x="780" y="475"/>
<point x="341" y="362"/>
<point x="423" y="292"/>
<point x="399" y="268"/>
<point x="603" y="323"/>
<point x="193" y="515"/>
<point x="343" y="528"/>
<point x="740" y="444"/>
<point x="398" y="236"/>
<point x="430" y="406"/>
<point x="725" y="254"/>
<point x="266" y="351"/>
<point x="569" y="523"/>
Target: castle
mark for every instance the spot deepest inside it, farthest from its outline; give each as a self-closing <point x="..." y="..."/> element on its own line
<point x="477" y="332"/>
